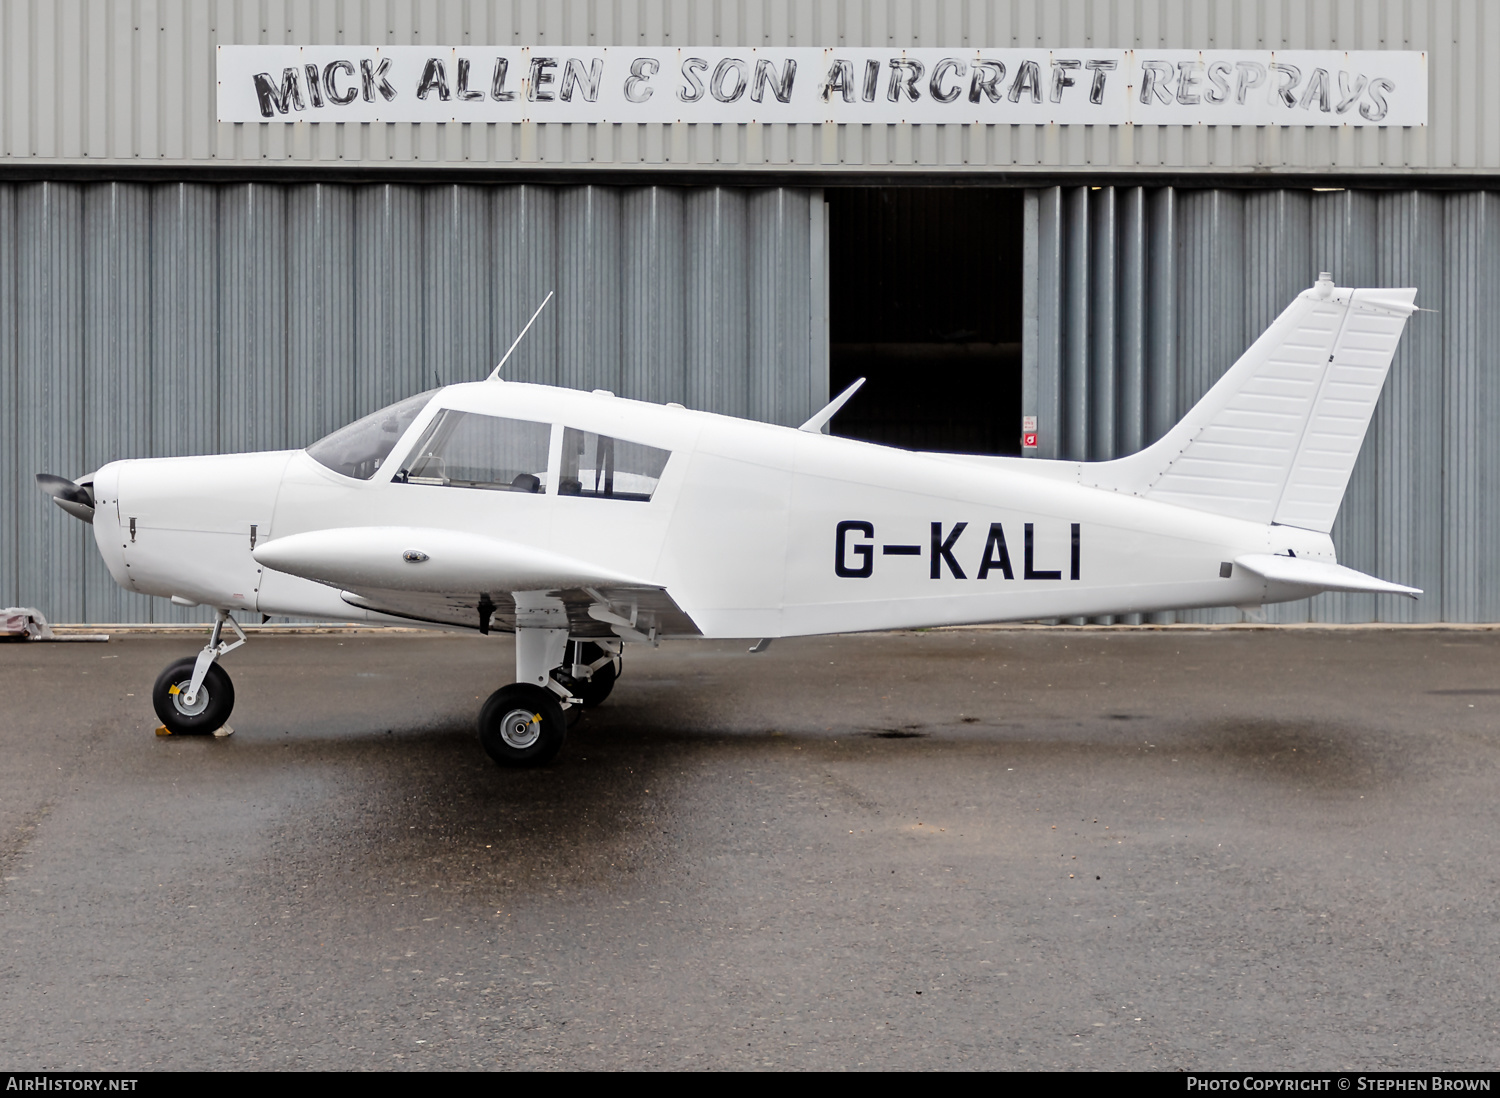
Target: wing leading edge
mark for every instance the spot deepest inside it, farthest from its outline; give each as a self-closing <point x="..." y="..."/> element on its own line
<point x="449" y="577"/>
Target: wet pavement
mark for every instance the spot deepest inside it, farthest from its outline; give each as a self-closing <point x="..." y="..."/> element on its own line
<point x="966" y="849"/>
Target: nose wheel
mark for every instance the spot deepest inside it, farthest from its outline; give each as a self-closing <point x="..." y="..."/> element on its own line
<point x="194" y="697"/>
<point x="210" y="707"/>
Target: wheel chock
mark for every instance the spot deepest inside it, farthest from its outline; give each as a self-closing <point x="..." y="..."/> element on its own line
<point x="219" y="733"/>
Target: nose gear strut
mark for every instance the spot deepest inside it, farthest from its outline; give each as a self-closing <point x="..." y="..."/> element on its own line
<point x="195" y="696"/>
<point x="211" y="652"/>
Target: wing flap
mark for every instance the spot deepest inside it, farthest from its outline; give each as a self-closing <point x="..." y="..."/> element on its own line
<point x="653" y="611"/>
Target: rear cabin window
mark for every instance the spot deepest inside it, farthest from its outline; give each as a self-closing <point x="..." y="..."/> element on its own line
<point x="469" y="450"/>
<point x="608" y="468"/>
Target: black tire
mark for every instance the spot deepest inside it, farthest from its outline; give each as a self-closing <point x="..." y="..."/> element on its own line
<point x="593" y="691"/>
<point x="214" y="704"/>
<point x="522" y="725"/>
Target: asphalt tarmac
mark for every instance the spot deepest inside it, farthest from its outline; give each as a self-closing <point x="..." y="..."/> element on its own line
<point x="970" y="849"/>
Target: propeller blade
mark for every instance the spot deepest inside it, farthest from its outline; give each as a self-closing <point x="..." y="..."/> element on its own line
<point x="73" y="498"/>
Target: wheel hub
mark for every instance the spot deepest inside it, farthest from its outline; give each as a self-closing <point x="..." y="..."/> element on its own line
<point x="179" y="699"/>
<point x="521" y="728"/>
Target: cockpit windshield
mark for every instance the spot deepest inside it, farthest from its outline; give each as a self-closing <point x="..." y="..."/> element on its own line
<point x="359" y="449"/>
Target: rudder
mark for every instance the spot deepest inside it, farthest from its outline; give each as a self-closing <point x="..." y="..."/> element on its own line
<point x="1276" y="438"/>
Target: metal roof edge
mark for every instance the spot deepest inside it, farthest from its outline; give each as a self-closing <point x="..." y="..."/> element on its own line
<point x="93" y="170"/>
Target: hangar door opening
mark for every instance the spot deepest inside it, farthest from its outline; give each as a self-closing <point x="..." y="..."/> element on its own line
<point x="925" y="301"/>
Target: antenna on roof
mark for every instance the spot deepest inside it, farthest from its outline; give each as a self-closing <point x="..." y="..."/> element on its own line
<point x="495" y="373"/>
<point x="818" y="422"/>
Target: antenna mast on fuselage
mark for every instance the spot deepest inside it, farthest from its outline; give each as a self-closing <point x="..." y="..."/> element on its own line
<point x="495" y="373"/>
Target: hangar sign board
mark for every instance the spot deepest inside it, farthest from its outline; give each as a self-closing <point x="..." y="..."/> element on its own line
<point x="856" y="85"/>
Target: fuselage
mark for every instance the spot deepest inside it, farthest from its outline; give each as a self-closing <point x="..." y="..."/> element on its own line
<point x="754" y="530"/>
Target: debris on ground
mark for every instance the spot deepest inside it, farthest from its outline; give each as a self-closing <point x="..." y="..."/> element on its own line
<point x="27" y="623"/>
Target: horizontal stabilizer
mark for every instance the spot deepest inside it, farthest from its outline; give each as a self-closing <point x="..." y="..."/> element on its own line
<point x="1318" y="573"/>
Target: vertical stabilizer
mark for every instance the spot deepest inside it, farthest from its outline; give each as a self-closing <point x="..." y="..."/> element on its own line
<point x="1276" y="438"/>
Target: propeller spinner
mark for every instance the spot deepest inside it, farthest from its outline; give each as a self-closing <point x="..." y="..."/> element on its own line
<point x="73" y="498"/>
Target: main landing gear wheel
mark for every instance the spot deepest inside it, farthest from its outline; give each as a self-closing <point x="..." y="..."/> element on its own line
<point x="522" y="725"/>
<point x="210" y="709"/>
<point x="593" y="690"/>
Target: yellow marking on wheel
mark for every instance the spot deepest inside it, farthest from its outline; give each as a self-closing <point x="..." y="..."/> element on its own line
<point x="174" y="689"/>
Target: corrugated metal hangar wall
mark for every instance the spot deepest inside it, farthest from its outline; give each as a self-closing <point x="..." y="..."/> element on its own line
<point x="140" y="320"/>
<point x="170" y="283"/>
<point x="1144" y="297"/>
<point x="177" y="319"/>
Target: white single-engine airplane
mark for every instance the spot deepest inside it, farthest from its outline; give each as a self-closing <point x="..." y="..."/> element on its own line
<point x="581" y="521"/>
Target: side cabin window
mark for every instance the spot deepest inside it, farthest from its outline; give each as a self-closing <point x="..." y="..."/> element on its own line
<point x="360" y="448"/>
<point x="608" y="468"/>
<point x="469" y="450"/>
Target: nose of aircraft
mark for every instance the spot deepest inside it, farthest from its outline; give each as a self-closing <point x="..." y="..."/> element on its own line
<point x="74" y="498"/>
